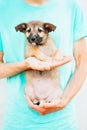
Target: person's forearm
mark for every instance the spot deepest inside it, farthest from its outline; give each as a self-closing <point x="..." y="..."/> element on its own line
<point x="76" y="82"/>
<point x="10" y="69"/>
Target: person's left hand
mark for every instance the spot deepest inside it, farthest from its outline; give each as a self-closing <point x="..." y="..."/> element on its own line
<point x="46" y="108"/>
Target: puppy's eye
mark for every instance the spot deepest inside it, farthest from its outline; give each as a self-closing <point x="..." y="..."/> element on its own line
<point x="28" y="30"/>
<point x="40" y="30"/>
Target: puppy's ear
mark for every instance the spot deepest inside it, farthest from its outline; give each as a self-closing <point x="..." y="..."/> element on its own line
<point x="49" y="27"/>
<point x="21" y="27"/>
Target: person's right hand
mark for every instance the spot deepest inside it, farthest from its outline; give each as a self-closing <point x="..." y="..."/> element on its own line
<point x="36" y="64"/>
<point x="48" y="64"/>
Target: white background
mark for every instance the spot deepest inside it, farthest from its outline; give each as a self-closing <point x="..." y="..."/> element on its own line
<point x="81" y="98"/>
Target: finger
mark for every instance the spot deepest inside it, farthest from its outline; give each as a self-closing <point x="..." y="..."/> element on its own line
<point x="52" y="110"/>
<point x="35" y="107"/>
<point x="67" y="59"/>
<point x="29" y="101"/>
<point x="57" y="63"/>
<point x="49" y="105"/>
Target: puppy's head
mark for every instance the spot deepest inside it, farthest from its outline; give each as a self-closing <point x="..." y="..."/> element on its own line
<point x="36" y="32"/>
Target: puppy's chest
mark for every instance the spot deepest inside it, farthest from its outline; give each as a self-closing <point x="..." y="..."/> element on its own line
<point x="47" y="50"/>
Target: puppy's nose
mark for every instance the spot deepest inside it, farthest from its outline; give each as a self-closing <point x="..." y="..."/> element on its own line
<point x="33" y="39"/>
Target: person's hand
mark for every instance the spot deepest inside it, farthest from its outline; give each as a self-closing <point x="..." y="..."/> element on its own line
<point x="48" y="64"/>
<point x="46" y="108"/>
<point x="36" y="64"/>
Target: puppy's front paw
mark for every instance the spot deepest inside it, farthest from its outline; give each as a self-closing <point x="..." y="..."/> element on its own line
<point x="42" y="58"/>
<point x="58" y="55"/>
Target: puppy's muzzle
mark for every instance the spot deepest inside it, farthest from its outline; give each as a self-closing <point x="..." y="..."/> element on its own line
<point x="35" y="39"/>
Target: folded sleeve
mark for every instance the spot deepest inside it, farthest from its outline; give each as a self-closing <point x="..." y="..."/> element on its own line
<point x="80" y="24"/>
<point x="1" y="46"/>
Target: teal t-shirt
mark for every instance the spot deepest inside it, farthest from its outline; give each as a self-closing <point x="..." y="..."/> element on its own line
<point x="70" y="22"/>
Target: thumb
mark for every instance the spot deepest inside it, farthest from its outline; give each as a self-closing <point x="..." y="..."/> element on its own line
<point x="30" y="103"/>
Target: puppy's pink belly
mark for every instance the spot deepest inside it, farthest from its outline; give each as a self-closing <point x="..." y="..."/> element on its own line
<point x="43" y="88"/>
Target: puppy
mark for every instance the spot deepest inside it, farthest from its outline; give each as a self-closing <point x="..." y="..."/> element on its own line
<point x="41" y="87"/>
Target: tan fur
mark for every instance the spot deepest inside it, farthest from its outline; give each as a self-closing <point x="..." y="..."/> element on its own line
<point x="43" y="86"/>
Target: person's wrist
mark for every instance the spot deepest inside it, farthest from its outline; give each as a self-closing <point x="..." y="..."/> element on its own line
<point x="25" y="64"/>
<point x="65" y="99"/>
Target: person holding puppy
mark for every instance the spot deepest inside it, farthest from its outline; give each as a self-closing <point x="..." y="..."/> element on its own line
<point x="69" y="37"/>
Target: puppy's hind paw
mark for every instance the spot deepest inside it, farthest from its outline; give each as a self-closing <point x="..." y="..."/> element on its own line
<point x="36" y="102"/>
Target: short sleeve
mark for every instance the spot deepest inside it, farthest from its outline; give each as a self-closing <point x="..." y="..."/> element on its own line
<point x="1" y="47"/>
<point x="80" y="24"/>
